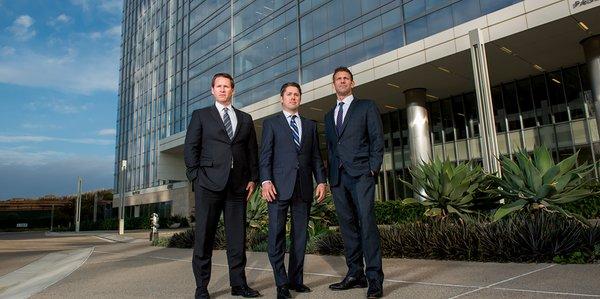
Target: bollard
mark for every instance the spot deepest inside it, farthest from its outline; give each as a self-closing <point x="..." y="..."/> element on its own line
<point x="154" y="226"/>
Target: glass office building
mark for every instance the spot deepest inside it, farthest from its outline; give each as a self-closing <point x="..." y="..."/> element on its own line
<point x="172" y="48"/>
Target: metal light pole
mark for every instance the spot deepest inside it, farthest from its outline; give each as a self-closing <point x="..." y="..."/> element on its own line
<point x="78" y="204"/>
<point x="52" y="218"/>
<point x="122" y="193"/>
<point x="95" y="207"/>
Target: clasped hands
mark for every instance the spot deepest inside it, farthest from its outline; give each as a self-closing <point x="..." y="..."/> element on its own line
<point x="269" y="193"/>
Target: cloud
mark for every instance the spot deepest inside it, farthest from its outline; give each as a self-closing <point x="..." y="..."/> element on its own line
<point x="7" y="51"/>
<point x="53" y="173"/>
<point x="84" y="73"/>
<point x="25" y="157"/>
<point x="59" y="106"/>
<point x="22" y="28"/>
<point x="112" y="32"/>
<point x="107" y="132"/>
<point x="61" y="19"/>
<point x="110" y="6"/>
<point x="38" y="139"/>
<point x="40" y="126"/>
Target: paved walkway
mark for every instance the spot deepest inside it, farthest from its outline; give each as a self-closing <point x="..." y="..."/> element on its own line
<point x="134" y="269"/>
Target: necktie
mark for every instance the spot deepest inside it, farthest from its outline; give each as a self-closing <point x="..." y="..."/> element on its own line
<point x="295" y="132"/>
<point x="227" y="123"/>
<point x="340" y="118"/>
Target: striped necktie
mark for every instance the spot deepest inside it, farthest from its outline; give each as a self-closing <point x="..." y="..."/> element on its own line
<point x="227" y="123"/>
<point x="295" y="132"/>
<point x="339" y="119"/>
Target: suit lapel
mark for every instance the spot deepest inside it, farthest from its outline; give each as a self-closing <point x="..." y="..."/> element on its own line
<point x="304" y="131"/>
<point x="348" y="117"/>
<point x="217" y="116"/>
<point x="238" y="115"/>
<point x="285" y="124"/>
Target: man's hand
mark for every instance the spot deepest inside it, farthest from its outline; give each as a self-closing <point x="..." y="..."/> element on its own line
<point x="250" y="188"/>
<point x="320" y="192"/>
<point x="268" y="191"/>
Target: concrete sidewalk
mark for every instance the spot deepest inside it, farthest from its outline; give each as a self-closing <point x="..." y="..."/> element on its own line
<point x="136" y="269"/>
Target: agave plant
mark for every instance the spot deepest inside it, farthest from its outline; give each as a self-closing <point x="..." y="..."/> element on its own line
<point x="257" y="211"/>
<point x="536" y="183"/>
<point x="446" y="188"/>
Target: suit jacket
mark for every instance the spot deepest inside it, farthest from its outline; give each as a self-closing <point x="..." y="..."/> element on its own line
<point x="359" y="147"/>
<point x="283" y="164"/>
<point x="209" y="153"/>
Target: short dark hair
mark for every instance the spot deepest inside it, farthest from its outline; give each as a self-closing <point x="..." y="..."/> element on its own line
<point x="222" y="75"/>
<point x="342" y="69"/>
<point x="286" y="85"/>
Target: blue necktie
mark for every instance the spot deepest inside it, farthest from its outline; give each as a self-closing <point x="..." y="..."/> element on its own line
<point x="339" y="118"/>
<point x="295" y="132"/>
<point x="227" y="123"/>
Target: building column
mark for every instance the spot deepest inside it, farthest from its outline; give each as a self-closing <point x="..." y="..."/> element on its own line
<point x="591" y="49"/>
<point x="418" y="126"/>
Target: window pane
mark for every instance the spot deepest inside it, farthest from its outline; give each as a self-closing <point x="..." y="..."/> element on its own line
<point x="416" y="30"/>
<point x="465" y="10"/>
<point x="414" y="8"/>
<point x="439" y="20"/>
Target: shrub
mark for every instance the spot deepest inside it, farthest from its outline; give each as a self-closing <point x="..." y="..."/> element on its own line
<point x="183" y="239"/>
<point x="394" y="211"/>
<point x="448" y="189"/>
<point x="519" y="238"/>
<point x="534" y="183"/>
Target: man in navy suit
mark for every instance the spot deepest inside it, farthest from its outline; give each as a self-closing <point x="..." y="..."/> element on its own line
<point x="355" y="146"/>
<point x="222" y="164"/>
<point x="289" y="159"/>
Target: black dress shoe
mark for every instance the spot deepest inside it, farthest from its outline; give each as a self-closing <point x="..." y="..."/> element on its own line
<point x="375" y="289"/>
<point x="349" y="282"/>
<point x="244" y="291"/>
<point x="300" y="288"/>
<point x="201" y="294"/>
<point x="283" y="293"/>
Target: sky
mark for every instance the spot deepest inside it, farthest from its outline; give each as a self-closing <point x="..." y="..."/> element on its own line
<point x="59" y="62"/>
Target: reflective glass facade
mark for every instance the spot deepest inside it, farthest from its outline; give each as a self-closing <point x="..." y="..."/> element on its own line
<point x="171" y="49"/>
<point x="553" y="109"/>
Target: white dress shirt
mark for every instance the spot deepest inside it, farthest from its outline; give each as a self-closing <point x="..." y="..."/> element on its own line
<point x="288" y="117"/>
<point x="347" y="101"/>
<point x="231" y="113"/>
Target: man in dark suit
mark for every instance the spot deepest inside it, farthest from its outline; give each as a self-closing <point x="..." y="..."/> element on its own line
<point x="355" y="147"/>
<point x="289" y="159"/>
<point x="222" y="163"/>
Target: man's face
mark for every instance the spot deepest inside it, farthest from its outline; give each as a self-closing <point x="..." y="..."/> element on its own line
<point x="291" y="98"/>
<point x="343" y="84"/>
<point x="222" y="90"/>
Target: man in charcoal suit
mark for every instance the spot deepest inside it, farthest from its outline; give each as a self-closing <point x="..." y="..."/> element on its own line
<point x="289" y="159"/>
<point x="222" y="164"/>
<point x="355" y="146"/>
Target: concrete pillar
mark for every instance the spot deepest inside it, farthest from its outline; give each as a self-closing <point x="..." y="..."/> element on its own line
<point x="591" y="49"/>
<point x="418" y="126"/>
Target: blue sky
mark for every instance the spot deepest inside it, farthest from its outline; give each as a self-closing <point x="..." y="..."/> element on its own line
<point x="59" y="65"/>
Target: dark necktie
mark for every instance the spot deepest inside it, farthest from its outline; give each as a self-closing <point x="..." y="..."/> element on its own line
<point x="295" y="132"/>
<point x="339" y="118"/>
<point x="227" y="123"/>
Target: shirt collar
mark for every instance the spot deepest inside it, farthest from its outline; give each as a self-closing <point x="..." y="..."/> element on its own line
<point x="347" y="100"/>
<point x="221" y="106"/>
<point x="288" y="115"/>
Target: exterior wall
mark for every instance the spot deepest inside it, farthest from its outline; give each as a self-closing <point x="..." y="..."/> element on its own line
<point x="171" y="49"/>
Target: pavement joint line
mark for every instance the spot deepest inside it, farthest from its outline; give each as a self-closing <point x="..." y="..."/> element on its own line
<point x="503" y="281"/>
<point x="105" y="239"/>
<point x="335" y="275"/>
<point x="36" y="284"/>
<point x="548" y="292"/>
